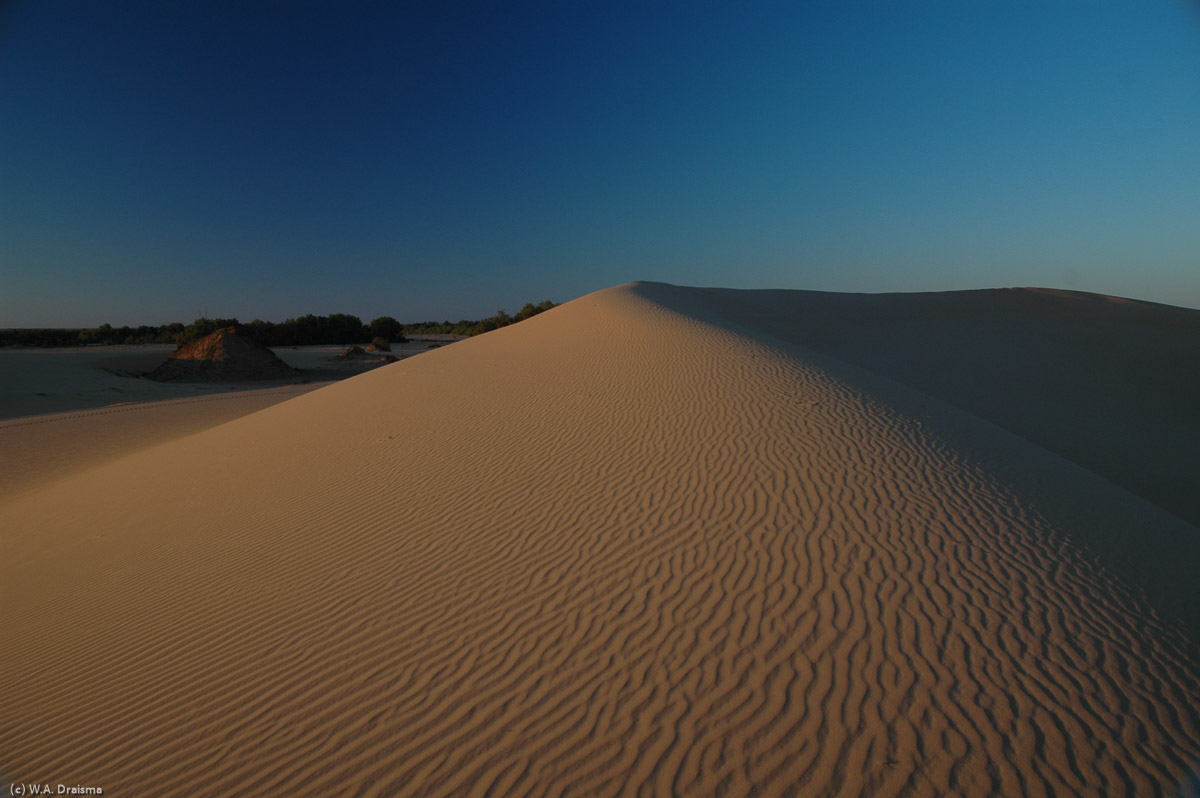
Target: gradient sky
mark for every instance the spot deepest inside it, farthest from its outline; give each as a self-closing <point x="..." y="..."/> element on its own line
<point x="443" y="160"/>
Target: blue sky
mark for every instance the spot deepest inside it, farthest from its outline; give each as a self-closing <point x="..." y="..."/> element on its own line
<point x="442" y="159"/>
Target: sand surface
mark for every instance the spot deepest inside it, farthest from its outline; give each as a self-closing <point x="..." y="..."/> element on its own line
<point x="631" y="545"/>
<point x="37" y="382"/>
<point x="69" y="409"/>
<point x="1112" y="384"/>
<point x="43" y="449"/>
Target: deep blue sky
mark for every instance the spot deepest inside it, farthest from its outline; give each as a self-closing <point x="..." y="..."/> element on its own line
<point x="431" y="160"/>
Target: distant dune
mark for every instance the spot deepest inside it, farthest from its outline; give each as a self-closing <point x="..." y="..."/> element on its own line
<point x="656" y="540"/>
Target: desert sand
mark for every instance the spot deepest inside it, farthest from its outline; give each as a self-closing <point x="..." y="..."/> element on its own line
<point x="45" y="448"/>
<point x="38" y="382"/>
<point x="68" y="410"/>
<point x="646" y="542"/>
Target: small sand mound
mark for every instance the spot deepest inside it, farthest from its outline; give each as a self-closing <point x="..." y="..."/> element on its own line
<point x="357" y="353"/>
<point x="380" y="345"/>
<point x="223" y="355"/>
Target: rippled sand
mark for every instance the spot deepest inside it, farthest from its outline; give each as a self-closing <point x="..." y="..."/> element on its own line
<point x="622" y="547"/>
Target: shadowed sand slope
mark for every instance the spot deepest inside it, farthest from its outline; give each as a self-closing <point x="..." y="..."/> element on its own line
<point x="616" y="548"/>
<point x="1112" y="384"/>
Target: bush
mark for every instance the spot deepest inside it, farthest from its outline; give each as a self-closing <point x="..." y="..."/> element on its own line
<point x="388" y="328"/>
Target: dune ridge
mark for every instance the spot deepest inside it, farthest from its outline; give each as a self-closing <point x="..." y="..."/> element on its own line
<point x="618" y="548"/>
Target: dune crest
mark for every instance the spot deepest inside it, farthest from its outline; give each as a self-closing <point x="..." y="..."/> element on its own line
<point x="620" y="547"/>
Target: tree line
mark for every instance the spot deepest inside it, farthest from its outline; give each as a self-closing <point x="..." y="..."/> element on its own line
<point x="468" y="327"/>
<point x="309" y="330"/>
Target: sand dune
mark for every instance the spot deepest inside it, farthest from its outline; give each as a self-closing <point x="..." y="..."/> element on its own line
<point x="1109" y="383"/>
<point x="626" y="546"/>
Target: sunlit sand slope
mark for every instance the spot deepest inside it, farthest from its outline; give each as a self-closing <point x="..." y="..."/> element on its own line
<point x="612" y="549"/>
<point x="42" y="449"/>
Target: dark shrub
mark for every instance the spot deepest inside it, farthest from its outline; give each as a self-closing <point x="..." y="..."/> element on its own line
<point x="388" y="328"/>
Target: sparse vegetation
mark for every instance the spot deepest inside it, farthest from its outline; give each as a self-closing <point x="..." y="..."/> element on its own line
<point x="468" y="327"/>
<point x="104" y="334"/>
<point x="309" y="330"/>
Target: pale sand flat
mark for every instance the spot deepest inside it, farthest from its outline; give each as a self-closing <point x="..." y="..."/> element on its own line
<point x="615" y="548"/>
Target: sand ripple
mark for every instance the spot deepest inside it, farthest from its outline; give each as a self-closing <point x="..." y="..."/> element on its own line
<point x="615" y="549"/>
